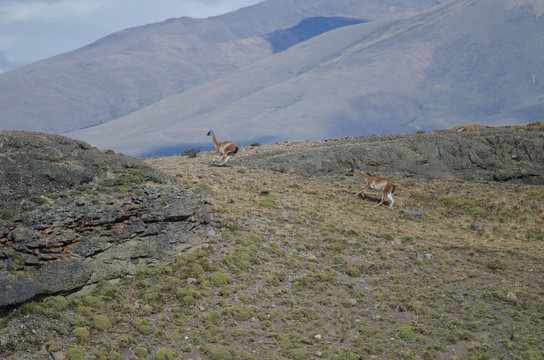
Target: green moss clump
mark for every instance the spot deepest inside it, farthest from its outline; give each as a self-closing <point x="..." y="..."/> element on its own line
<point x="478" y="211"/>
<point x="142" y="326"/>
<point x="189" y="291"/>
<point x="141" y="352"/>
<point x="101" y="322"/>
<point x="415" y="307"/>
<point x="52" y="347"/>
<point x="92" y="301"/>
<point x="81" y="334"/>
<point x="218" y="279"/>
<point x="188" y="300"/>
<point x="164" y="354"/>
<point x="406" y="333"/>
<point x="239" y="313"/>
<point x="83" y="311"/>
<point x="407" y="239"/>
<point x="298" y="354"/>
<point x="268" y="202"/>
<point x="221" y="353"/>
<point x="74" y="354"/>
<point x="58" y="303"/>
<point x="448" y="200"/>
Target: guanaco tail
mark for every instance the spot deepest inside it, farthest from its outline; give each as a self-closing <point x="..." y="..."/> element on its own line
<point x="376" y="183"/>
<point x="224" y="149"/>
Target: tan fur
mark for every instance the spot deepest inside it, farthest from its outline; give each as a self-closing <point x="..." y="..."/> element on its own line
<point x="224" y="149"/>
<point x="373" y="182"/>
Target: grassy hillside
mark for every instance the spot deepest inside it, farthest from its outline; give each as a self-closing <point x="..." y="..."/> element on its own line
<point x="300" y="268"/>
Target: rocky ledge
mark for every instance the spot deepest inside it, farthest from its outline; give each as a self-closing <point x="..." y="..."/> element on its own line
<point x="74" y="215"/>
<point x="513" y="154"/>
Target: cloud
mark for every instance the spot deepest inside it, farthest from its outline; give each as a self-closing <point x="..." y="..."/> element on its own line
<point x="31" y="30"/>
<point x="48" y="11"/>
<point x="55" y="10"/>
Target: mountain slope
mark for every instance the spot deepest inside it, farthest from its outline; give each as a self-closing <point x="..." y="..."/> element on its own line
<point x="137" y="67"/>
<point x="464" y="61"/>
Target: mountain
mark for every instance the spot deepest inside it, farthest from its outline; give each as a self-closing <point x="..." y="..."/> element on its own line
<point x="462" y="61"/>
<point x="136" y="67"/>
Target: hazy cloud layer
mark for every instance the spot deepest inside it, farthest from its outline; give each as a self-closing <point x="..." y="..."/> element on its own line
<point x="31" y="30"/>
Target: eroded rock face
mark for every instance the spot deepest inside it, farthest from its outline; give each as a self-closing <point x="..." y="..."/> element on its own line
<point x="111" y="217"/>
<point x="502" y="154"/>
<point x="68" y="244"/>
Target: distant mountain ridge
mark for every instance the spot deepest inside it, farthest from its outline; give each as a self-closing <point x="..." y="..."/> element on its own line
<point x="131" y="69"/>
<point x="461" y="61"/>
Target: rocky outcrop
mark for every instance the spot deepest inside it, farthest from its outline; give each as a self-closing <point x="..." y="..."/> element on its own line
<point x="104" y="216"/>
<point x="514" y="154"/>
<point x="34" y="165"/>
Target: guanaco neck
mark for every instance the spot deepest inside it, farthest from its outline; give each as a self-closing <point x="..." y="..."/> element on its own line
<point x="214" y="140"/>
<point x="363" y="175"/>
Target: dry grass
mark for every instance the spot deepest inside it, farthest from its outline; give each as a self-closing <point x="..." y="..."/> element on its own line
<point x="463" y="281"/>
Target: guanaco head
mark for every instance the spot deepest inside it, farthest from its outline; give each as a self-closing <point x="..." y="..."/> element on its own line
<point x="351" y="172"/>
<point x="209" y="133"/>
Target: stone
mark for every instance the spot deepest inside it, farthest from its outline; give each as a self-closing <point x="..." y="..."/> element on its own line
<point x="355" y="261"/>
<point x="413" y="213"/>
<point x="77" y="238"/>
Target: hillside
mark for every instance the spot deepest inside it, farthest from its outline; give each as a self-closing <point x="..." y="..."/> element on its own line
<point x="462" y="61"/>
<point x="297" y="267"/>
<point x="136" y="67"/>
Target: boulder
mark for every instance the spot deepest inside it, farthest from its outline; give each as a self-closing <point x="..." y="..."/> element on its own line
<point x="78" y="215"/>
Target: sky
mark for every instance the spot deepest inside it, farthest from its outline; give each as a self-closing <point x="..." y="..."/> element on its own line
<point x="32" y="30"/>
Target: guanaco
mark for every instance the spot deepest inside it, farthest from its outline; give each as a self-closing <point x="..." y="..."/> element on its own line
<point x="376" y="183"/>
<point x="224" y="149"/>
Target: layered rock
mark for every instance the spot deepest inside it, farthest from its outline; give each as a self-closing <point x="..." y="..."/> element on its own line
<point x="78" y="215"/>
<point x="503" y="154"/>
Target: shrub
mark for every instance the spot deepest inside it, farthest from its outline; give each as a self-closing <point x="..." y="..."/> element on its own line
<point x="101" y="322"/>
<point x="406" y="333"/>
<point x="58" y="303"/>
<point x="534" y="234"/>
<point x="496" y="266"/>
<point x="74" y="354"/>
<point x="478" y="211"/>
<point x="407" y="239"/>
<point x="268" y="202"/>
<point x="164" y="354"/>
<point x="417" y="195"/>
<point x="81" y="334"/>
<point x="534" y="195"/>
<point x="298" y="354"/>
<point x="141" y="352"/>
<point x="221" y="353"/>
<point x="188" y="300"/>
<point x="114" y="355"/>
<point x="218" y="279"/>
<point x="448" y="200"/>
<point x="190" y="291"/>
<point x="92" y="301"/>
<point x="142" y="326"/>
<point x="83" y="311"/>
